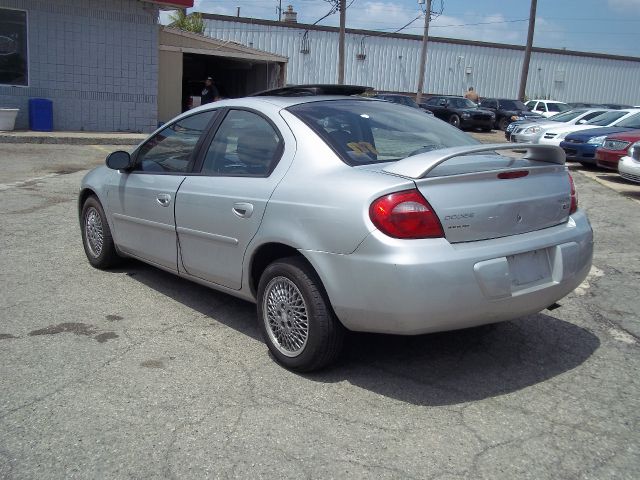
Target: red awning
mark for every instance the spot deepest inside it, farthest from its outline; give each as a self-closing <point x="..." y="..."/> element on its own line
<point x="173" y="3"/>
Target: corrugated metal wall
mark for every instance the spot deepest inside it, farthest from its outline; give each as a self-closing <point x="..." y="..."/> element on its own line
<point x="392" y="64"/>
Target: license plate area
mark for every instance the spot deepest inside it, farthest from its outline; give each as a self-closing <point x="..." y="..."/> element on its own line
<point x="529" y="268"/>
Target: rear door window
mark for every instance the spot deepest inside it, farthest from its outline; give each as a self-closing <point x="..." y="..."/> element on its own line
<point x="245" y="144"/>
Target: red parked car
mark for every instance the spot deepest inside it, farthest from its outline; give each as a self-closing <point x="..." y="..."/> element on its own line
<point x="614" y="148"/>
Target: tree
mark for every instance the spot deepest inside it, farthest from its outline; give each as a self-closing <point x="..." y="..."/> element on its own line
<point x="192" y="22"/>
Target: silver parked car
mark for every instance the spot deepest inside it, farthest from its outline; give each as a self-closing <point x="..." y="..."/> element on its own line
<point x="336" y="212"/>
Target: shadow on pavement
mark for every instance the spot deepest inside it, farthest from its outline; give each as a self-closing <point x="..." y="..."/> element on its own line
<point x="437" y="369"/>
<point x="465" y="365"/>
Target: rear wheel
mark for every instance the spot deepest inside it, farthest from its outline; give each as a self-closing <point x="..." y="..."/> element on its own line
<point x="96" y="235"/>
<point x="295" y="317"/>
<point x="454" y="120"/>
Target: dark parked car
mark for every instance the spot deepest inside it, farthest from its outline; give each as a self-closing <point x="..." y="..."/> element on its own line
<point x="397" y="98"/>
<point x="507" y="111"/>
<point x="581" y="146"/>
<point x="460" y="112"/>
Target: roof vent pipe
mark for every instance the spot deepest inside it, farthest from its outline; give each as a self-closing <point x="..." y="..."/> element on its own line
<point x="290" y="16"/>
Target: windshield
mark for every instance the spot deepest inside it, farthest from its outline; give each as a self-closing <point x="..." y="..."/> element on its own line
<point x="631" y="122"/>
<point x="567" y="116"/>
<point x="607" y="118"/>
<point x="364" y="132"/>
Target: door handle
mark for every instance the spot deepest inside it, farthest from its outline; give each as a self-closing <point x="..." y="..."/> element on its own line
<point x="242" y="209"/>
<point x="163" y="199"/>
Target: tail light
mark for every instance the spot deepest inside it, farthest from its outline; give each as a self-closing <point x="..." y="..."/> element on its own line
<point x="405" y="215"/>
<point x="574" y="196"/>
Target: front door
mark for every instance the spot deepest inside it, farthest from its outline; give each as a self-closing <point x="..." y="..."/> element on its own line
<point x="142" y="202"/>
<point x="219" y="211"/>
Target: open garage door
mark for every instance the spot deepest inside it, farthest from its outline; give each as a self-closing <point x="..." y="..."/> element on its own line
<point x="187" y="59"/>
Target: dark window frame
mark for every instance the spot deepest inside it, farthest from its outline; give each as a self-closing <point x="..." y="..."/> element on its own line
<point x="27" y="70"/>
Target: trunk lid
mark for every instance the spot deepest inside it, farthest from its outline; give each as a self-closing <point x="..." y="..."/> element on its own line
<point x="485" y="195"/>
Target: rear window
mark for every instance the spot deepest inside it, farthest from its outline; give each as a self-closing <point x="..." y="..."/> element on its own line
<point x="557" y="107"/>
<point x="364" y="132"/>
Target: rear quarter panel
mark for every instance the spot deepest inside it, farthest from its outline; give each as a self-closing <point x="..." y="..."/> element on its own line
<point x="322" y="204"/>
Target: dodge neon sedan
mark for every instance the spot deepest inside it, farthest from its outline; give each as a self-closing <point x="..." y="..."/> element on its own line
<point x="334" y="212"/>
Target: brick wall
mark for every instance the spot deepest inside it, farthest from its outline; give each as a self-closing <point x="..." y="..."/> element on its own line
<point x="96" y="60"/>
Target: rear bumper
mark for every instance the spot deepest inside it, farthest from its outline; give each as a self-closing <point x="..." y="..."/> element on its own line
<point x="420" y="286"/>
<point x="476" y="123"/>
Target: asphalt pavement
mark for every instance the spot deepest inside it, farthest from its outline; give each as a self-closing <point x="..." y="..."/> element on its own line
<point x="135" y="373"/>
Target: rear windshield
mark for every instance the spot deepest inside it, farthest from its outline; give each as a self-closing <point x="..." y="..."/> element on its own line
<point x="607" y="118"/>
<point x="557" y="107"/>
<point x="364" y="132"/>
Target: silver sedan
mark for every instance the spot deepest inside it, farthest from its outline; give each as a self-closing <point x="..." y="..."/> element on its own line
<point x="336" y="213"/>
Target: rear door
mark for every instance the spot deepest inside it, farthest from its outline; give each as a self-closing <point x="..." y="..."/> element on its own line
<point x="219" y="211"/>
<point x="142" y="202"/>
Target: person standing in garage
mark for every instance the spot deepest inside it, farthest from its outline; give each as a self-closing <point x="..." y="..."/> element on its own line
<point x="209" y="92"/>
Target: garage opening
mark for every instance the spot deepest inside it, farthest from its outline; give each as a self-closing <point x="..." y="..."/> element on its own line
<point x="233" y="77"/>
<point x="186" y="60"/>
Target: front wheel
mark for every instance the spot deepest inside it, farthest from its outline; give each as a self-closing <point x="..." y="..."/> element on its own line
<point x="295" y="317"/>
<point x="454" y="120"/>
<point x="96" y="235"/>
<point x="503" y="123"/>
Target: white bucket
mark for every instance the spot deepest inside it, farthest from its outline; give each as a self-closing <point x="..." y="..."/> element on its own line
<point x="8" y="118"/>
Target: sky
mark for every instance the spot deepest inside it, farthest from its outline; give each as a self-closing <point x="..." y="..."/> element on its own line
<point x="603" y="26"/>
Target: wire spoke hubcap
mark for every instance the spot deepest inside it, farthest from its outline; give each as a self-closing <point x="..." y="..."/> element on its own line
<point x="285" y="316"/>
<point x="93" y="231"/>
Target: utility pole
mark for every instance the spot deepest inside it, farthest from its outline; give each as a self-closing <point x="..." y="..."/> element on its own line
<point x="343" y="8"/>
<point x="527" y="50"/>
<point x="423" y="54"/>
<point x="280" y="11"/>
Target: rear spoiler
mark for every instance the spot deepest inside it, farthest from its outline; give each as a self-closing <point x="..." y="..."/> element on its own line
<point x="418" y="166"/>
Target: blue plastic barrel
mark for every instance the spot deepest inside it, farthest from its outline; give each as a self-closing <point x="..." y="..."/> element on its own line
<point x="40" y="114"/>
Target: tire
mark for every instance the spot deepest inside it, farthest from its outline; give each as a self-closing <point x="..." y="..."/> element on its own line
<point x="96" y="235"/>
<point x="287" y="283"/>
<point x="454" y="120"/>
<point x="502" y="124"/>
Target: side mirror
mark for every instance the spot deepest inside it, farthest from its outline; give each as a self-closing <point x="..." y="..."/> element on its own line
<point x="119" y="160"/>
<point x="582" y="122"/>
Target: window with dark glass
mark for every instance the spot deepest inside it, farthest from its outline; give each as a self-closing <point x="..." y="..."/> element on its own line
<point x="171" y="150"/>
<point x="245" y="145"/>
<point x="14" y="69"/>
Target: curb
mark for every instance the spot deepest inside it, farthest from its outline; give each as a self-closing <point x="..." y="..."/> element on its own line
<point x="68" y="140"/>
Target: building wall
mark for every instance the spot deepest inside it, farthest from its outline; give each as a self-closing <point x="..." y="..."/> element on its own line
<point x="96" y="60"/>
<point x="392" y="64"/>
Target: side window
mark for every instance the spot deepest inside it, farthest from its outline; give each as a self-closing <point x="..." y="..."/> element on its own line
<point x="591" y="115"/>
<point x="490" y="104"/>
<point x="171" y="149"/>
<point x="244" y="145"/>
